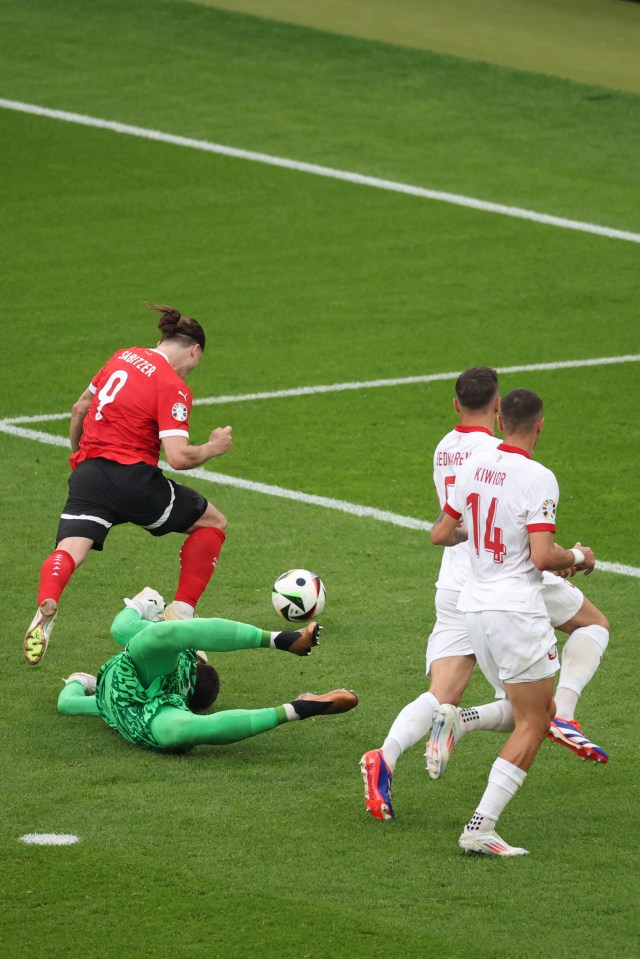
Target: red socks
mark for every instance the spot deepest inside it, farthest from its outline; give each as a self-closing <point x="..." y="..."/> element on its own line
<point x="55" y="573"/>
<point x="198" y="558"/>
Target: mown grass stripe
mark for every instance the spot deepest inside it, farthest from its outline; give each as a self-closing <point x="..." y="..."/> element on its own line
<point x="315" y="169"/>
<point x="266" y="489"/>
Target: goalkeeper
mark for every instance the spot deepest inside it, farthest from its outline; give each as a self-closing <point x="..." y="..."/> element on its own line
<point x="149" y="690"/>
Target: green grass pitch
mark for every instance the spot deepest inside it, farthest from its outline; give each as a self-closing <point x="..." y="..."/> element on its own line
<point x="263" y="849"/>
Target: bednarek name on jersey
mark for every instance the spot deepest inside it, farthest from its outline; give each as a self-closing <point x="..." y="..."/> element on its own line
<point x="446" y="458"/>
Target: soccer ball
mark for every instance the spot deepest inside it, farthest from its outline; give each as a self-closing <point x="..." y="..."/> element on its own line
<point x="298" y="595"/>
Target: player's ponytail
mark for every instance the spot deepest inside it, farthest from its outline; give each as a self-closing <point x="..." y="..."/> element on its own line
<point x="173" y="324"/>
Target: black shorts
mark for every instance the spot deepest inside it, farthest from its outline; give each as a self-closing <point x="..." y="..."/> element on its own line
<point x="103" y="494"/>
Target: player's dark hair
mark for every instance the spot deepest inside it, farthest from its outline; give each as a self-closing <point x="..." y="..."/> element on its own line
<point x="477" y="387"/>
<point x="520" y="410"/>
<point x="205" y="692"/>
<point x="173" y="325"/>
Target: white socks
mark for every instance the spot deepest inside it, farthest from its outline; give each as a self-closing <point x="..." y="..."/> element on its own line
<point x="496" y="716"/>
<point x="410" y="726"/>
<point x="505" y="780"/>
<point x="414" y="722"/>
<point x="581" y="657"/>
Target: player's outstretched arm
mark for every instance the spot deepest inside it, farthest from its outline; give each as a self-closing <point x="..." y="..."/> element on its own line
<point x="447" y="531"/>
<point x="182" y="455"/>
<point x="77" y="697"/>
<point x="548" y="555"/>
<point x="127" y="624"/>
<point x="78" y="412"/>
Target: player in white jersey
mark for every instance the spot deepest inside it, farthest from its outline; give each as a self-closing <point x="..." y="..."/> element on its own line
<point x="450" y="659"/>
<point x="508" y="503"/>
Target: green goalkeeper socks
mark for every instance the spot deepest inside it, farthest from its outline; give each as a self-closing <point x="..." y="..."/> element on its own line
<point x="176" y="729"/>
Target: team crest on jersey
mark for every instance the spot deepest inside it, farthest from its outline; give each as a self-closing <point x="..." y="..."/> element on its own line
<point x="549" y="509"/>
<point x="179" y="412"/>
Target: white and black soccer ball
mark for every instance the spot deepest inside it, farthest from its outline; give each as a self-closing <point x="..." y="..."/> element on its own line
<point x="298" y="595"/>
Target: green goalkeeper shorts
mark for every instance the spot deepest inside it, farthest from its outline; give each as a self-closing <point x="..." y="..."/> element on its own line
<point x="126" y="706"/>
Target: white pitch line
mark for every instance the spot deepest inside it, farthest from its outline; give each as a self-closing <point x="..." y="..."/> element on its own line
<point x="7" y="426"/>
<point x="364" y="385"/>
<point x="326" y="502"/>
<point x="354" y="509"/>
<point x="410" y="380"/>
<point x="49" y="839"/>
<point x="40" y="418"/>
<point x="323" y="171"/>
<point x="384" y="516"/>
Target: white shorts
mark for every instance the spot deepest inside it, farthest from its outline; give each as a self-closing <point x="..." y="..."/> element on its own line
<point x="512" y="647"/>
<point x="449" y="636"/>
<point x="561" y="597"/>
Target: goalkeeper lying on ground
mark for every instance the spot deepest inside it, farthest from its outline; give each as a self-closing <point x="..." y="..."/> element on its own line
<point x="149" y="689"/>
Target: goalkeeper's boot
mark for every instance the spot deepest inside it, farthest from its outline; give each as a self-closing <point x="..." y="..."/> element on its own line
<point x="86" y="679"/>
<point x="377" y="778"/>
<point x="568" y="733"/>
<point x="337" y="701"/>
<point x="488" y="844"/>
<point x="446" y="732"/>
<point x="148" y="603"/>
<point x="299" y="642"/>
<point x="37" y="637"/>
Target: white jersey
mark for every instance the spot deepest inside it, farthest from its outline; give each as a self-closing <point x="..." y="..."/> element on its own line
<point x="450" y="454"/>
<point x="502" y="496"/>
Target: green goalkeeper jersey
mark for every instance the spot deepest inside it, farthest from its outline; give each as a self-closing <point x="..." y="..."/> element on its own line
<point x="126" y="706"/>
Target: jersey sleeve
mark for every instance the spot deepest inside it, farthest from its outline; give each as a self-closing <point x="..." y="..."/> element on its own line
<point x="453" y="506"/>
<point x="444" y="476"/>
<point x="174" y="407"/>
<point x="438" y="482"/>
<point x="542" y="503"/>
<point x="95" y="382"/>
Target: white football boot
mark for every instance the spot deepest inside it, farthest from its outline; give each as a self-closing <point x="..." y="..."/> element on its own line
<point x="446" y="732"/>
<point x="88" y="682"/>
<point x="36" y="640"/>
<point x="488" y="844"/>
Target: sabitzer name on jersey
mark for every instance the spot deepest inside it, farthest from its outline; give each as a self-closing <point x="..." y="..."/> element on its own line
<point x="139" y="362"/>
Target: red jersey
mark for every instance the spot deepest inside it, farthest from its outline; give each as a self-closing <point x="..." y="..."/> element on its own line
<point x="138" y="400"/>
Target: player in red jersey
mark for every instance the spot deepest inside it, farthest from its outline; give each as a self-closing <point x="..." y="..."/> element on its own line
<point x="136" y="402"/>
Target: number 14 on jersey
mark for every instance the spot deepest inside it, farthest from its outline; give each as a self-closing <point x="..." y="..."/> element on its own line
<point x="492" y="540"/>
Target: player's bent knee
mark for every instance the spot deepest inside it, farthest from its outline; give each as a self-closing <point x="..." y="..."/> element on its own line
<point x="448" y="693"/>
<point x="169" y="727"/>
<point x="535" y="728"/>
<point x="211" y="517"/>
<point x="601" y="620"/>
<point x="588" y="615"/>
<point x="221" y="519"/>
<point x="157" y="638"/>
